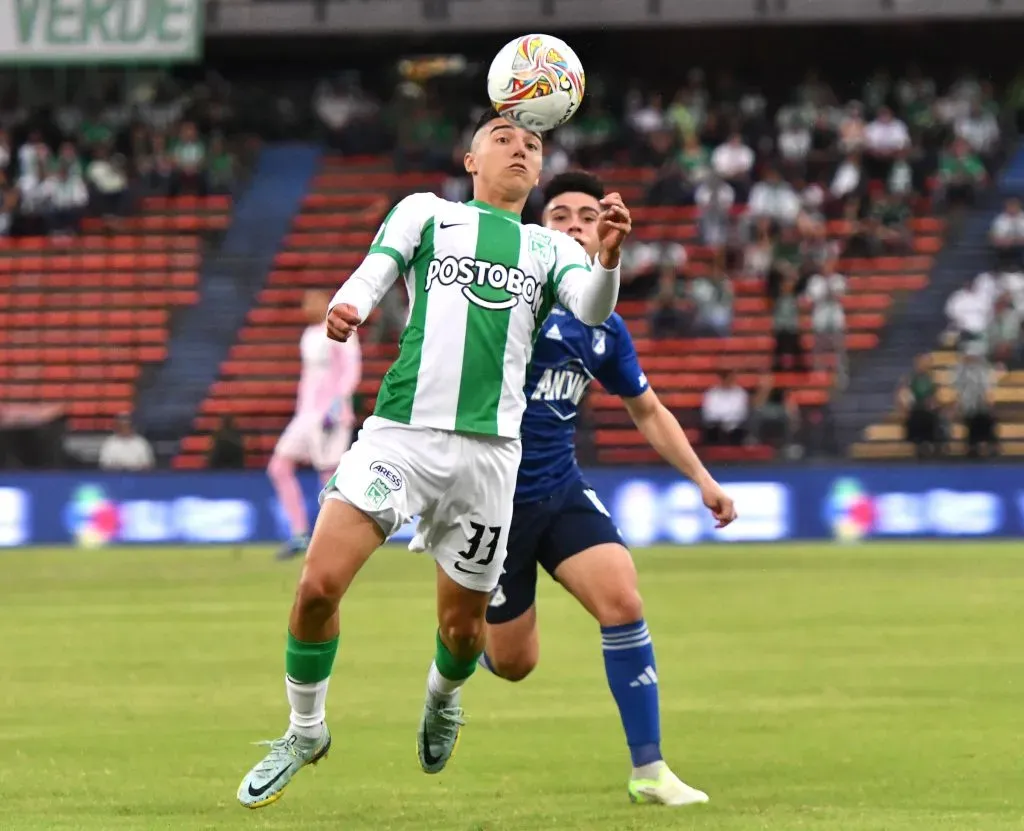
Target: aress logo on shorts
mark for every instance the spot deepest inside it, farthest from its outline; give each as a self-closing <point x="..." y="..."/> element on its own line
<point x="385" y="472"/>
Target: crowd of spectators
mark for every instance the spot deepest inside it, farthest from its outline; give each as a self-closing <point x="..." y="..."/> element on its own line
<point x="63" y="162"/>
<point x="765" y="183"/>
<point x="764" y="178"/>
<point x="986" y="313"/>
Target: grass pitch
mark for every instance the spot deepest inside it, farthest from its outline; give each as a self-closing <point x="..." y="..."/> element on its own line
<point x="804" y="687"/>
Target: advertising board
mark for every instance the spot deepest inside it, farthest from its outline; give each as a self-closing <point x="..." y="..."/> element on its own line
<point x="649" y="505"/>
<point x="56" y="32"/>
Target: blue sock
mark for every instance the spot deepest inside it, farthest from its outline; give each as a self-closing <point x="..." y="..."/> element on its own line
<point x="485" y="662"/>
<point x="633" y="679"/>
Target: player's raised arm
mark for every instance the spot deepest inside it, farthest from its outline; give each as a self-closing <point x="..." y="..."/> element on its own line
<point x="590" y="291"/>
<point x="389" y="256"/>
<point x="621" y="375"/>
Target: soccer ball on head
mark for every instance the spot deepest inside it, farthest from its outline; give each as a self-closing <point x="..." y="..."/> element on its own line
<point x="536" y="82"/>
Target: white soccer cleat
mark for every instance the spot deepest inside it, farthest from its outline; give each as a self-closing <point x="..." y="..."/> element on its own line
<point x="666" y="789"/>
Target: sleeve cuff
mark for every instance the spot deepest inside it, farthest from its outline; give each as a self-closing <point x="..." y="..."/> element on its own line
<point x="393" y="253"/>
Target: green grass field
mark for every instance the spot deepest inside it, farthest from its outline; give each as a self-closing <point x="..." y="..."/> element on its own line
<point x="804" y="687"/>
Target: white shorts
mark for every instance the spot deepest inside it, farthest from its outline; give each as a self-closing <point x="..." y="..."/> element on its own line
<point x="304" y="440"/>
<point x="460" y="486"/>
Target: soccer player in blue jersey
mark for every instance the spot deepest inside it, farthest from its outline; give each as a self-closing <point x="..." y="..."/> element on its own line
<point x="560" y="524"/>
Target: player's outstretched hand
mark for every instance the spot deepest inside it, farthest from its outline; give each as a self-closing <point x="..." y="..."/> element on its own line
<point x="718" y="502"/>
<point x="342" y="321"/>
<point x="613" y="224"/>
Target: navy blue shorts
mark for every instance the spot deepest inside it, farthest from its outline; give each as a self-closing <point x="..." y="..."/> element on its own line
<point x="547" y="532"/>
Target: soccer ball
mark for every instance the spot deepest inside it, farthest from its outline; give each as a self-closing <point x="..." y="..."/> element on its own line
<point x="536" y="82"/>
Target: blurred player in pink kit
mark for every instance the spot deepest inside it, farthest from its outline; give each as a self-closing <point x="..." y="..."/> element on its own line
<point x="321" y="429"/>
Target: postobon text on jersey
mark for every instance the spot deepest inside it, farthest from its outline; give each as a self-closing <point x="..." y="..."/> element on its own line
<point x="489" y="285"/>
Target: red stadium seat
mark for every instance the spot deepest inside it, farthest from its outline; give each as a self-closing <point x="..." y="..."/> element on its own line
<point x="96" y="308"/>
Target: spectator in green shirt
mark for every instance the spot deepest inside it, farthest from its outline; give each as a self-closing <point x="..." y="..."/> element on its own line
<point x="786" y="327"/>
<point x="694" y="159"/>
<point x="67" y="159"/>
<point x="786" y="261"/>
<point x="220" y="170"/>
<point x="93" y="131"/>
<point x="917" y="403"/>
<point x="680" y="116"/>
<point x="961" y="173"/>
<point x="888" y="225"/>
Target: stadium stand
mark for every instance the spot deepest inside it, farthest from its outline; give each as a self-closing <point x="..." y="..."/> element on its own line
<point x="82" y="317"/>
<point x="257" y="383"/>
<point x="877" y="178"/>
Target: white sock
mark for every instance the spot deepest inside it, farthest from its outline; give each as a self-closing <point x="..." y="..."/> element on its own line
<point x="440" y="687"/>
<point x="309" y="707"/>
<point x="651" y="771"/>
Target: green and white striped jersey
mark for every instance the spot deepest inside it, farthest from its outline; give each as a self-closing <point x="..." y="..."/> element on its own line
<point x="480" y="284"/>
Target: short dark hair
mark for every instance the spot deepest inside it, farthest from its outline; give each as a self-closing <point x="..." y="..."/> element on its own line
<point x="486" y="117"/>
<point x="489" y="115"/>
<point x="574" y="181"/>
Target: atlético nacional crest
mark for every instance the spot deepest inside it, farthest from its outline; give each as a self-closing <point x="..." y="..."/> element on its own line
<point x="541" y="245"/>
<point x="599" y="342"/>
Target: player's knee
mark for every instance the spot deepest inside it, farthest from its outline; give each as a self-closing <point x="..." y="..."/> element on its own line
<point x="462" y="633"/>
<point x="318" y="595"/>
<point x="620" y="606"/>
<point x="514" y="667"/>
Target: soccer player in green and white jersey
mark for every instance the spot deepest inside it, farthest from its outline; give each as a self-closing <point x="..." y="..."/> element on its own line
<point x="443" y="443"/>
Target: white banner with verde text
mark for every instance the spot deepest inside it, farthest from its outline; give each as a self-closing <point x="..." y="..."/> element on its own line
<point x="56" y="32"/>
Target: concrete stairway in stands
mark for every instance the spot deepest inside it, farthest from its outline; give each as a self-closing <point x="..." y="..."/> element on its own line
<point x="913" y="328"/>
<point x="230" y="281"/>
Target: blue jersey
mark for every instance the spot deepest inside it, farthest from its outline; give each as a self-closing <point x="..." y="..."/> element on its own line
<point x="567" y="356"/>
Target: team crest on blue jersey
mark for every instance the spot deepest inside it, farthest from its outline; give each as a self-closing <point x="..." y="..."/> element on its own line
<point x="599" y="342"/>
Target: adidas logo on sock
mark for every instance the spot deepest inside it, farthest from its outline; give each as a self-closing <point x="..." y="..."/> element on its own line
<point x="645" y="678"/>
